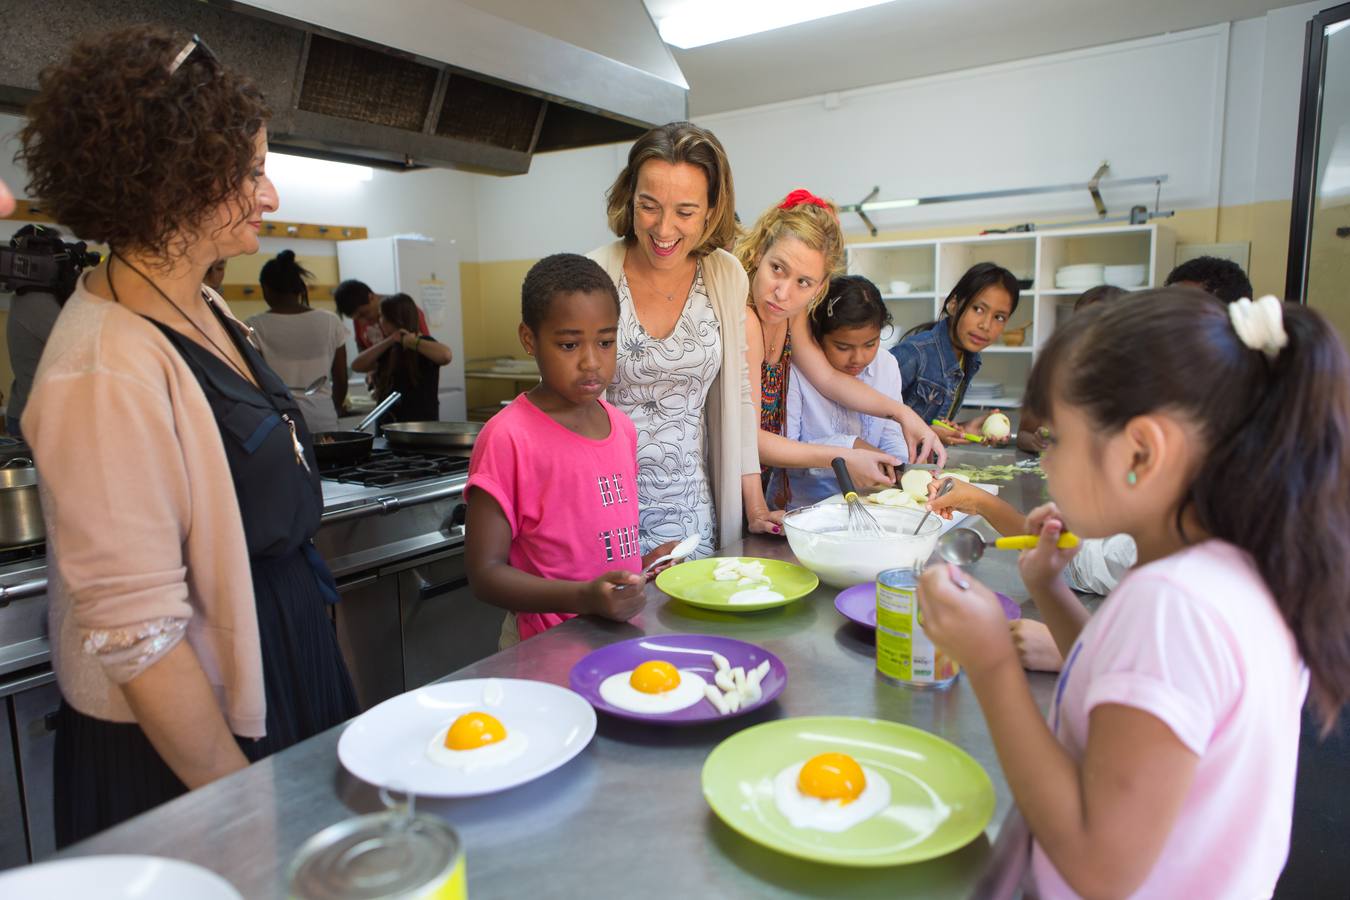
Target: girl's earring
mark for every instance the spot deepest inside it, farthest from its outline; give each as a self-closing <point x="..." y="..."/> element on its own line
<point x="1131" y="479"/>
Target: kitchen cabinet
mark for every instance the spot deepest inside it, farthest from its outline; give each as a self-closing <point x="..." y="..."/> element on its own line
<point x="927" y="270"/>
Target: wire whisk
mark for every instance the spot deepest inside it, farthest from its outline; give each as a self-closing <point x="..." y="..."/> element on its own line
<point x="860" y="522"/>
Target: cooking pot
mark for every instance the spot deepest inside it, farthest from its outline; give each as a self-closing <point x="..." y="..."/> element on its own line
<point x="442" y="435"/>
<point x="20" y="511"/>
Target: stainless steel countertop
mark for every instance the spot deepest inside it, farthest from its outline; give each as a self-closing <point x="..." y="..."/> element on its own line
<point x="627" y="816"/>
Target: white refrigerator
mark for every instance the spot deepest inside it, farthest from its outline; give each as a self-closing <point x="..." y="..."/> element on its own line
<point x="428" y="272"/>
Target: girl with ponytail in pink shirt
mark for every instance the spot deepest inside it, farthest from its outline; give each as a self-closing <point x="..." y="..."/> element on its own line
<point x="1218" y="437"/>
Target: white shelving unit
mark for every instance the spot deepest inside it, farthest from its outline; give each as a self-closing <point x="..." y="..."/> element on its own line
<point x="931" y="269"/>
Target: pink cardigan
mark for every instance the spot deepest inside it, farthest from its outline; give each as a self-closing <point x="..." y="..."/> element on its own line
<point x="142" y="520"/>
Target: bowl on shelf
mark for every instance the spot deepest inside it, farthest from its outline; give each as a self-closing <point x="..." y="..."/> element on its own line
<point x="1080" y="277"/>
<point x="819" y="536"/>
<point x="1015" y="337"/>
<point x="1131" y="276"/>
<point x="897" y="288"/>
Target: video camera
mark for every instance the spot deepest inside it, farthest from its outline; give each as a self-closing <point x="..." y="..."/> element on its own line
<point x="37" y="259"/>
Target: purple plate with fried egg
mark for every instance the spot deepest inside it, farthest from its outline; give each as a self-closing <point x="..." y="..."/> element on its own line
<point x="692" y="652"/>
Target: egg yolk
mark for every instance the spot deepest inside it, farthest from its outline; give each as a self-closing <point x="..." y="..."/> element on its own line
<point x="655" y="677"/>
<point x="473" y="730"/>
<point x="832" y="776"/>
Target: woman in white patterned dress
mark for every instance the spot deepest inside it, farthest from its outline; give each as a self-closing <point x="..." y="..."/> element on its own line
<point x="681" y="374"/>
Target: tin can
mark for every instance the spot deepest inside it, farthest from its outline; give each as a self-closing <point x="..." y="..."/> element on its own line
<point x="382" y="856"/>
<point x="905" y="655"/>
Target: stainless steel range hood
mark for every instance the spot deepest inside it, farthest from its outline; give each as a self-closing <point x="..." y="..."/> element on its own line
<point x="470" y="84"/>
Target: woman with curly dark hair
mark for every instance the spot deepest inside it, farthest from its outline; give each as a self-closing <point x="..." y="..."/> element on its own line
<point x="187" y="603"/>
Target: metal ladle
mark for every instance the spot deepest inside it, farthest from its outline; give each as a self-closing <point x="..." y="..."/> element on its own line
<point x="964" y="546"/>
<point x="316" y="386"/>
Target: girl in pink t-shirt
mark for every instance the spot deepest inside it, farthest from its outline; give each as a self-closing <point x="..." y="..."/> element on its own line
<point x="552" y="527"/>
<point x="1216" y="436"/>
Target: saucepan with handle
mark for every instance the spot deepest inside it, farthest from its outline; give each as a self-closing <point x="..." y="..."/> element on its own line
<point x="350" y="448"/>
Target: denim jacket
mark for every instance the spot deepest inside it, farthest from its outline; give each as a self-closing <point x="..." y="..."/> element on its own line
<point x="930" y="372"/>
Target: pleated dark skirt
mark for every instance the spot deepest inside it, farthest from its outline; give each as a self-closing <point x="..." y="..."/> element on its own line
<point x="107" y="772"/>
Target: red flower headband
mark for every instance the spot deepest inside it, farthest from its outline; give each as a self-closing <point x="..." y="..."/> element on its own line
<point x="800" y="196"/>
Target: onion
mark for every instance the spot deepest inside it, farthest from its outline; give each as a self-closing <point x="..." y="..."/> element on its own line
<point x="997" y="426"/>
<point x="915" y="483"/>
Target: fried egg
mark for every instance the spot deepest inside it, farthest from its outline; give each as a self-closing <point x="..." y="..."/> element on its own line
<point x="829" y="792"/>
<point x="654" y="687"/>
<point x="755" y="595"/>
<point x="476" y="740"/>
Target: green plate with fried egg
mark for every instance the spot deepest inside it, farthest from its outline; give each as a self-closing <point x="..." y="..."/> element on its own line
<point x="848" y="791"/>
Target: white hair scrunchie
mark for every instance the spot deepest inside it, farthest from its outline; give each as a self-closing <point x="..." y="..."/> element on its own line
<point x="1260" y="325"/>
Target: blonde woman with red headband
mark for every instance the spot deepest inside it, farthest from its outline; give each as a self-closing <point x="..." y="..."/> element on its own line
<point x="790" y="255"/>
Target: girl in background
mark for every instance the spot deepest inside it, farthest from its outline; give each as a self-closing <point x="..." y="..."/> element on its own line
<point x="300" y="343"/>
<point x="938" y="360"/>
<point x="847" y="324"/>
<point x="1167" y="766"/>
<point x="406" y="361"/>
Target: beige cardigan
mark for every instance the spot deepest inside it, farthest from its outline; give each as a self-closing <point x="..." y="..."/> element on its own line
<point x="732" y="438"/>
<point x="142" y="519"/>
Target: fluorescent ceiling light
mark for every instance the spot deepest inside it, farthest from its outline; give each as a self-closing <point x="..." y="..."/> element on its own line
<point x="303" y="170"/>
<point x="697" y="23"/>
<point x="875" y="205"/>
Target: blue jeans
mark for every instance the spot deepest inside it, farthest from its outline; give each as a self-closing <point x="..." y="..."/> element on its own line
<point x="12" y="427"/>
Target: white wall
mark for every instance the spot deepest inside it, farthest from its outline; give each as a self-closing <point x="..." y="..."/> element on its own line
<point x="1214" y="108"/>
<point x="559" y="207"/>
<point x="1153" y="106"/>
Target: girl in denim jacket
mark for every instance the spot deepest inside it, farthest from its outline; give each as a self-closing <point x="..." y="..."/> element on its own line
<point x="939" y="359"/>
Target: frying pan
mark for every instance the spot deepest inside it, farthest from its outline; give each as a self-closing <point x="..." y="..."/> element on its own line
<point x="442" y="435"/>
<point x="350" y="448"/>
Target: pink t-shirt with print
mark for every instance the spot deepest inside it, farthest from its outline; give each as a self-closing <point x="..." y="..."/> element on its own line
<point x="1195" y="639"/>
<point x="571" y="502"/>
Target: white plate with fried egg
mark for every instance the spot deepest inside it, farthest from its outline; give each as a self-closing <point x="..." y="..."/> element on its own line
<point x="466" y="738"/>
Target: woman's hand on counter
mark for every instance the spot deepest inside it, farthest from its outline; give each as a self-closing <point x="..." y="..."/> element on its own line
<point x="615" y="595"/>
<point x="765" y="521"/>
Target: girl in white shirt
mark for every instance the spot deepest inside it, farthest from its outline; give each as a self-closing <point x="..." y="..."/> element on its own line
<point x="847" y="324"/>
<point x="300" y="343"/>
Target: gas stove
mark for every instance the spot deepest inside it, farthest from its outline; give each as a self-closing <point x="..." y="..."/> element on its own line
<point x="386" y="468"/>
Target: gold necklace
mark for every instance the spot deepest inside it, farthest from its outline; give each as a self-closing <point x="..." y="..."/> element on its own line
<point x="770" y="347"/>
<point x="670" y="297"/>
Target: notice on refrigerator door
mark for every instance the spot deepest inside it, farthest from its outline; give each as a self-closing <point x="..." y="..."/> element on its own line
<point x="435" y="303"/>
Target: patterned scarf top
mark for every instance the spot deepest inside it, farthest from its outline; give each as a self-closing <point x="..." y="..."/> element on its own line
<point x="773" y="390"/>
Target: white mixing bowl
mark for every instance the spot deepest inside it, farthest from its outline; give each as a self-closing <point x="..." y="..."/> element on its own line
<point x="820" y="538"/>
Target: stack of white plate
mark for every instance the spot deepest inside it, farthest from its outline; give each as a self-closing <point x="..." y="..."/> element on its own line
<point x="984" y="390"/>
<point x="1131" y="276"/>
<point x="1080" y="277"/>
